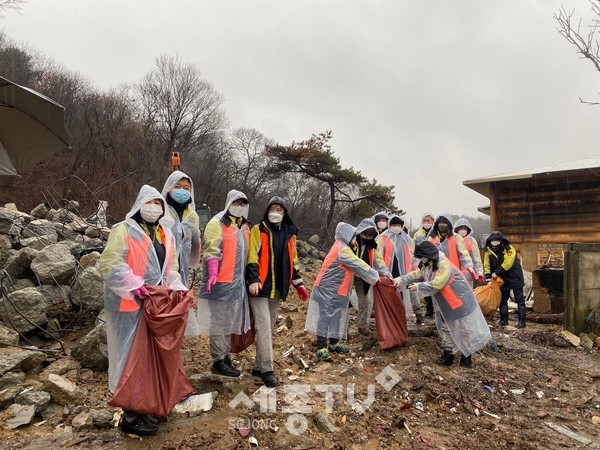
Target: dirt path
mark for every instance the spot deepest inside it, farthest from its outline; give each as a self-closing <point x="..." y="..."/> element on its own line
<point x="517" y="387"/>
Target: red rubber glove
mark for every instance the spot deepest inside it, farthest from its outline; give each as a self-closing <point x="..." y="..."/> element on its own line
<point x="212" y="265"/>
<point x="480" y="278"/>
<point x="302" y="292"/>
<point x="140" y="293"/>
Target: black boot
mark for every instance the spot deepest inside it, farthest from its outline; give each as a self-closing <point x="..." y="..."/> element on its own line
<point x="428" y="307"/>
<point x="137" y="424"/>
<point x="419" y="319"/>
<point x="222" y="367"/>
<point x="466" y="361"/>
<point x="269" y="379"/>
<point x="446" y="359"/>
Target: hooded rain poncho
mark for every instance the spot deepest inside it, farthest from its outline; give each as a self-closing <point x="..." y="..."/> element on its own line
<point x="128" y="262"/>
<point x="225" y="310"/>
<point x="472" y="247"/>
<point x="327" y="313"/>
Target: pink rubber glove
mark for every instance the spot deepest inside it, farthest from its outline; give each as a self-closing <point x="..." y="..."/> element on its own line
<point x="140" y="293"/>
<point x="302" y="292"/>
<point x="480" y="278"/>
<point x="472" y="272"/>
<point x="212" y="265"/>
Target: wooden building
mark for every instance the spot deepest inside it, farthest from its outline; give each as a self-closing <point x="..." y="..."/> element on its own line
<point x="541" y="210"/>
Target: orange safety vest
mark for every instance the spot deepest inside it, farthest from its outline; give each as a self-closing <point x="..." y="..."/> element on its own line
<point x="453" y="253"/>
<point x="228" y="248"/>
<point x="264" y="259"/>
<point x="453" y="300"/>
<point x="137" y="260"/>
<point x="388" y="251"/>
<point x="348" y="276"/>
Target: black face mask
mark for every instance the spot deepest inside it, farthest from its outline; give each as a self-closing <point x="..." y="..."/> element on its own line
<point x="443" y="228"/>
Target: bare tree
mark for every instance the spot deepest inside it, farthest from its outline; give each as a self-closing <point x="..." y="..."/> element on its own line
<point x="583" y="37"/>
<point x="179" y="107"/>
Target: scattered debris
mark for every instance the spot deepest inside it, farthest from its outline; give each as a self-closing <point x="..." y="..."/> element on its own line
<point x="574" y="340"/>
<point x="569" y="433"/>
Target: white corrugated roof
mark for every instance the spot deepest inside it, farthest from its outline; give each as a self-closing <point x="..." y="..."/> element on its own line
<point x="481" y="185"/>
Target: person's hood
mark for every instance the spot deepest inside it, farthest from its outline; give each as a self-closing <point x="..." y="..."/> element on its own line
<point x="380" y="215"/>
<point x="365" y="224"/>
<point x="345" y="232"/>
<point x="146" y="194"/>
<point x="427" y="215"/>
<point x="232" y="196"/>
<point x="395" y="216"/>
<point x="434" y="229"/>
<point x="497" y="236"/>
<point x="463" y="223"/>
<point x="426" y="249"/>
<point x="282" y="202"/>
<point x="174" y="178"/>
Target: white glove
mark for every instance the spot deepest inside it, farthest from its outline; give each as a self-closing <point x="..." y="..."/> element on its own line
<point x="254" y="288"/>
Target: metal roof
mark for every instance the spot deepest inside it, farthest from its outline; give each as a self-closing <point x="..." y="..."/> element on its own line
<point x="482" y="185"/>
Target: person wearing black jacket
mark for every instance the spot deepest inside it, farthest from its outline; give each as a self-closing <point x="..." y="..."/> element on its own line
<point x="501" y="261"/>
<point x="272" y="266"/>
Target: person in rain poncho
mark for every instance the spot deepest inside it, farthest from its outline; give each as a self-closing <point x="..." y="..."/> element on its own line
<point x="501" y="261"/>
<point x="178" y="192"/>
<point x="327" y="315"/>
<point x="381" y="219"/>
<point x="397" y="248"/>
<point x="458" y="317"/>
<point x="139" y="251"/>
<point x="426" y="223"/>
<point x="463" y="228"/>
<point x="223" y="301"/>
<point x="366" y="248"/>
<point x="442" y="235"/>
<point x="272" y="266"/>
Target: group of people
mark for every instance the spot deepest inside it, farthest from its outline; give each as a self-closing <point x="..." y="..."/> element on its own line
<point x="247" y="271"/>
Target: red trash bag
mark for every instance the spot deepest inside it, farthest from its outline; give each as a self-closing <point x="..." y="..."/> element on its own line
<point x="240" y="342"/>
<point x="489" y="297"/>
<point x="390" y="315"/>
<point x="153" y="380"/>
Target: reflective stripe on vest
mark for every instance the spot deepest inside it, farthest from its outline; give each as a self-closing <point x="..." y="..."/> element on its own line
<point x="291" y="247"/>
<point x="453" y="300"/>
<point x="265" y="257"/>
<point x="388" y="251"/>
<point x="333" y="255"/>
<point x="407" y="258"/>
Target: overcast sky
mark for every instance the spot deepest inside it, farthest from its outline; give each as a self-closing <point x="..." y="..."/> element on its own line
<point x="418" y="94"/>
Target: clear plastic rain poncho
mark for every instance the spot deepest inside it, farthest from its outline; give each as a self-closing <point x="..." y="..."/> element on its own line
<point x="187" y="239"/>
<point x="454" y="299"/>
<point x="453" y="247"/>
<point x="186" y="230"/>
<point x="225" y="310"/>
<point x="402" y="247"/>
<point x="327" y="313"/>
<point x="472" y="247"/>
<point x="128" y="238"/>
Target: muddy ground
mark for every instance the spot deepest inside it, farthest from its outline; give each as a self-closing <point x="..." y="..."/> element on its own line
<point x="525" y="382"/>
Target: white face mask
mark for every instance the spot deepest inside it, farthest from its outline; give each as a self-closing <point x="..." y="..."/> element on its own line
<point x="237" y="210"/>
<point x="495" y="243"/>
<point x="382" y="224"/>
<point x="151" y="212"/>
<point x="275" y="217"/>
<point x="424" y="260"/>
<point x="396" y="229"/>
<point x="462" y="232"/>
<point x="427" y="226"/>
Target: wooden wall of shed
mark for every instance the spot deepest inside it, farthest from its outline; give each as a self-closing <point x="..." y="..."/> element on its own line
<point x="554" y="208"/>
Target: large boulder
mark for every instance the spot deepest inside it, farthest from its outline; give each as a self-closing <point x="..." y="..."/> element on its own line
<point x="5" y="246"/>
<point x="40" y="211"/>
<point x="8" y="336"/>
<point x="9" y="216"/>
<point x="54" y="264"/>
<point x="24" y="310"/>
<point x="91" y="351"/>
<point x="12" y="359"/>
<point x="18" y="264"/>
<point x="87" y="292"/>
<point x="41" y="229"/>
<point x="56" y="297"/>
<point x="63" y="391"/>
<point x="38" y="399"/>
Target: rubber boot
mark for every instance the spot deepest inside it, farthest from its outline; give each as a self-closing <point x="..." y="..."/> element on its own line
<point x="503" y="314"/>
<point x="446" y="359"/>
<point x="428" y="307"/>
<point x="466" y="361"/>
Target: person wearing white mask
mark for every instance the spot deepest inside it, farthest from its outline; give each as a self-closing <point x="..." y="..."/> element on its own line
<point x="140" y="251"/>
<point x="223" y="300"/>
<point x="272" y="267"/>
<point x="463" y="228"/>
<point x="381" y="219"/>
<point x="427" y="221"/>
